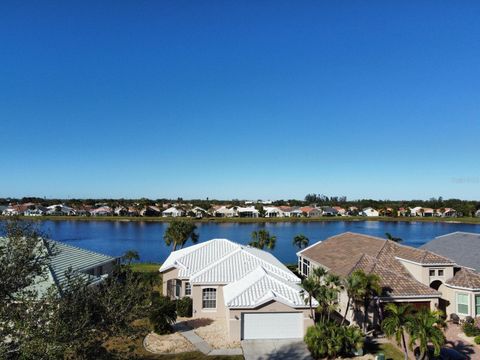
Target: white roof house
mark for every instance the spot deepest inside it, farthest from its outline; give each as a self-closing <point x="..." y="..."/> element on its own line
<point x="272" y="211"/>
<point x="240" y="280"/>
<point x="248" y="211"/>
<point x="223" y="211"/>
<point x="60" y="209"/>
<point x="173" y="212"/>
<point x="369" y="212"/>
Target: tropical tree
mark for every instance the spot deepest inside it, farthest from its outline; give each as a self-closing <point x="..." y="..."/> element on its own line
<point x="131" y="255"/>
<point x="393" y="238"/>
<point x="300" y="241"/>
<point x="262" y="239"/>
<point x="179" y="232"/>
<point x="370" y="284"/>
<point x="426" y="328"/>
<point x="397" y="322"/>
<point x="310" y="287"/>
<point x="353" y="286"/>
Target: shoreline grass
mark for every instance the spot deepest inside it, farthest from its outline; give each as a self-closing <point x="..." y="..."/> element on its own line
<point x="459" y="220"/>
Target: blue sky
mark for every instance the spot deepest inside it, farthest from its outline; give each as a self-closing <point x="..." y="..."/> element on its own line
<point x="240" y="99"/>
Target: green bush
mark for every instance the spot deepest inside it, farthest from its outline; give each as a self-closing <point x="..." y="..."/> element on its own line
<point x="477" y="339"/>
<point x="331" y="340"/>
<point x="184" y="307"/>
<point x="470" y="329"/>
<point x="163" y="313"/>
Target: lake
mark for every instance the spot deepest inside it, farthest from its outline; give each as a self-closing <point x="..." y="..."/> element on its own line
<point x="116" y="237"/>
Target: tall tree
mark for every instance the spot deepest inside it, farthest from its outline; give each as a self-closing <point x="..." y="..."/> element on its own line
<point x="426" y="328"/>
<point x="179" y="232"/>
<point x="300" y="241"/>
<point x="353" y="285"/>
<point x="397" y="322"/>
<point x="131" y="255"/>
<point x="310" y="288"/>
<point x="262" y="239"/>
<point x="370" y="284"/>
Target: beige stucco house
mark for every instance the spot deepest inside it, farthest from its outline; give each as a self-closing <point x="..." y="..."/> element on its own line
<point x="258" y="297"/>
<point x="408" y="275"/>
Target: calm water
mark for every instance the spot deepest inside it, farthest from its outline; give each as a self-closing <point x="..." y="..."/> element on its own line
<point x="114" y="238"/>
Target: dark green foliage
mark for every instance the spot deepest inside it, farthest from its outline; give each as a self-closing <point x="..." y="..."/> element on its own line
<point x="163" y="313"/>
<point x="331" y="340"/>
<point x="179" y="232"/>
<point x="470" y="329"/>
<point x="262" y="239"/>
<point x="477" y="339"/>
<point x="184" y="307"/>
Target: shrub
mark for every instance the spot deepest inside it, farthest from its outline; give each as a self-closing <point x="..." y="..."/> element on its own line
<point x="330" y="340"/>
<point x="184" y="307"/>
<point x="469" y="320"/>
<point x="455" y="318"/>
<point x="470" y="329"/>
<point x="477" y="339"/>
<point x="163" y="313"/>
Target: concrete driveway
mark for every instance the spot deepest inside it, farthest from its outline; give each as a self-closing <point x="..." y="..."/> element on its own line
<point x="275" y="350"/>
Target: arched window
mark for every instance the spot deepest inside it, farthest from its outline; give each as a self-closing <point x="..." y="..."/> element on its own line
<point x="209" y="298"/>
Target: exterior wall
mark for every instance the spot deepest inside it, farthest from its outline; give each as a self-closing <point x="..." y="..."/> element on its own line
<point x="234" y="317"/>
<point x="168" y="275"/>
<point x="199" y="312"/>
<point x="422" y="272"/>
<point x="450" y="294"/>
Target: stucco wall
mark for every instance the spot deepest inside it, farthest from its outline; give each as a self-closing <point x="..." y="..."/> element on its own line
<point x="168" y="275"/>
<point x="234" y="317"/>
<point x="450" y="295"/>
<point x="198" y="311"/>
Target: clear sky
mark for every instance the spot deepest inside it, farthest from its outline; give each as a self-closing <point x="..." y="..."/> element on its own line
<point x="240" y="99"/>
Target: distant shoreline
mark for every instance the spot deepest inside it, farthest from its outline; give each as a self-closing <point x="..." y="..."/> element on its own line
<point x="460" y="220"/>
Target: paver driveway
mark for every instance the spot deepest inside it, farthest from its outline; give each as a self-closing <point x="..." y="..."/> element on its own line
<point x="275" y="350"/>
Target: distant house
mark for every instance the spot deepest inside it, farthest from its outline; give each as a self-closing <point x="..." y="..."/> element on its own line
<point x="447" y="212"/>
<point x="151" y="210"/>
<point x="199" y="212"/>
<point x="248" y="212"/>
<point x="36" y="210"/>
<point x="340" y="211"/>
<point x="224" y="211"/>
<point x="428" y="212"/>
<point x="416" y="211"/>
<point x="477" y="213"/>
<point x="272" y="211"/>
<point x="13" y="210"/>
<point x="311" y="212"/>
<point x="173" y="212"/>
<point x="60" y="209"/>
<point x="102" y="211"/>
<point x="121" y="211"/>
<point x="369" y="211"/>
<point x="329" y="211"/>
<point x="289" y="211"/>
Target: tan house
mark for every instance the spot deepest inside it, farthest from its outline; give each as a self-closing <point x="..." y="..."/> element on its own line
<point x="254" y="292"/>
<point x="408" y="275"/>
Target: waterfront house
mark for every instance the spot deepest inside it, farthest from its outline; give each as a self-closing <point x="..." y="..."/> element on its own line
<point x="35" y="210"/>
<point x="102" y="211"/>
<point x="447" y="212"/>
<point x="289" y="211"/>
<point x="273" y="211"/>
<point x="247" y="212"/>
<point x="311" y="212"/>
<point x="340" y="210"/>
<point x="151" y="210"/>
<point x="257" y="296"/>
<point x="369" y="211"/>
<point x="329" y="211"/>
<point x="419" y="277"/>
<point x="477" y="213"/>
<point x="60" y="209"/>
<point x="199" y="212"/>
<point x="173" y="212"/>
<point x="225" y="212"/>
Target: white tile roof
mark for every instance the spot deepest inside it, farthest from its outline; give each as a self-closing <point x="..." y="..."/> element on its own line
<point x="256" y="272"/>
<point x="261" y="286"/>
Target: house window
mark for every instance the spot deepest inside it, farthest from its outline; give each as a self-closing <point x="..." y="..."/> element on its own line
<point x="477" y="305"/>
<point x="209" y="298"/>
<point x="462" y="304"/>
<point x="178" y="287"/>
<point x="432" y="272"/>
<point x="306" y="267"/>
<point x="440" y="272"/>
<point x="188" y="289"/>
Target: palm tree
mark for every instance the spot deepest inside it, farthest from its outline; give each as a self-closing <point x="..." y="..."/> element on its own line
<point x="370" y="284"/>
<point x="179" y="232"/>
<point x="300" y="241"/>
<point x="397" y="322"/>
<point x="393" y="238"/>
<point x="262" y="239"/>
<point x="310" y="287"/>
<point x="426" y="328"/>
<point x="353" y="287"/>
<point x="131" y="255"/>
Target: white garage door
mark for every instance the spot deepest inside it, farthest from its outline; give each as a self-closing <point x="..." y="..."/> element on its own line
<point x="272" y="325"/>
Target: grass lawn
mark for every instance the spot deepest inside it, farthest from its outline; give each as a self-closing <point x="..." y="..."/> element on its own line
<point x="390" y="350"/>
<point x="145" y="267"/>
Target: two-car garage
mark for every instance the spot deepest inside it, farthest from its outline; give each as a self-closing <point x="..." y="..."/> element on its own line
<point x="272" y="325"/>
